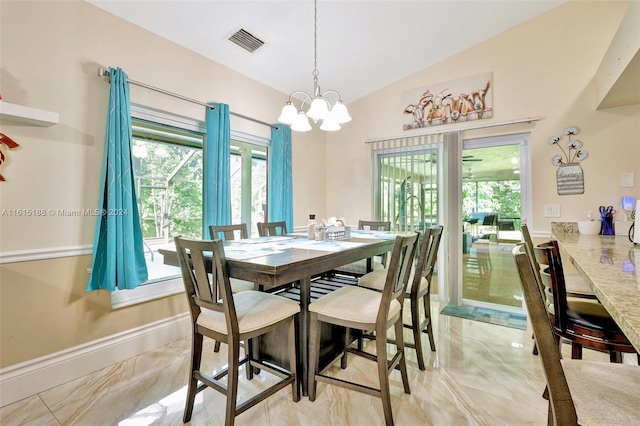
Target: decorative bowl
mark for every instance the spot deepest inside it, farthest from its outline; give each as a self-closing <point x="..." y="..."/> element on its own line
<point x="589" y="227"/>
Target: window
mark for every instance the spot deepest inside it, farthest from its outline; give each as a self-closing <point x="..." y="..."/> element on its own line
<point x="248" y="184"/>
<point x="167" y="161"/>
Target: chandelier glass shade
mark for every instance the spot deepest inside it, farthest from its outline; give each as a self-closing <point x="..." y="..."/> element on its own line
<point x="319" y="105"/>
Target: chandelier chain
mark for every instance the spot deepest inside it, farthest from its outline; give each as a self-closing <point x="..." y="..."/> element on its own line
<point x="320" y="107"/>
<point x="315" y="42"/>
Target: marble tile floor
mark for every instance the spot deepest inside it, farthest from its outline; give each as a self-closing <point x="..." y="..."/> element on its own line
<point x="480" y="374"/>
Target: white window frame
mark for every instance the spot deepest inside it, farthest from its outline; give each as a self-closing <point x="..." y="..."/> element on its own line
<point x="171" y="286"/>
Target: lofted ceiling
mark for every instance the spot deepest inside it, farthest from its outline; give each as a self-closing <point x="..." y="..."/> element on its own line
<point x="362" y="45"/>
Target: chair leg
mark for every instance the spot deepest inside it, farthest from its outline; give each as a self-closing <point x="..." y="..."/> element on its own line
<point x="417" y="333"/>
<point x="196" y="359"/>
<point x="314" y="354"/>
<point x="383" y="373"/>
<point x="403" y="359"/>
<point x="427" y="314"/>
<point x="293" y="359"/>
<point x="249" y="351"/>
<point x="343" y="360"/>
<point x="232" y="381"/>
<point x="615" y="357"/>
<point x="576" y="350"/>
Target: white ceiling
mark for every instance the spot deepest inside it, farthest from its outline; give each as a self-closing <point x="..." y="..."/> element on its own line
<point x="362" y="45"/>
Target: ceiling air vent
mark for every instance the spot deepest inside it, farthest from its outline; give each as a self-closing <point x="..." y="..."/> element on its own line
<point x="246" y="40"/>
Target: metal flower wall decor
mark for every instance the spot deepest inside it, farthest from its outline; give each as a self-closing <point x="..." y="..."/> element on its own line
<point x="570" y="177"/>
<point x="574" y="148"/>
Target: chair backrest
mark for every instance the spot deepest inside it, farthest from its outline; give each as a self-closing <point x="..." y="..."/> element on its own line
<point x="374" y="225"/>
<point x="561" y="403"/>
<point x="229" y="232"/>
<point x="203" y="292"/>
<point x="272" y="228"/>
<point x="398" y="272"/>
<point x="552" y="277"/>
<point x="490" y="220"/>
<point x="427" y="256"/>
<point x="528" y="241"/>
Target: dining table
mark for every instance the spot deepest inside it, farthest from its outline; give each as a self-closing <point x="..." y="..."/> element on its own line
<point x="294" y="262"/>
<point x="609" y="264"/>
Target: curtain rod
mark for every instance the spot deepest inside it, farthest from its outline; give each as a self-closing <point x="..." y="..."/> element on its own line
<point x="437" y="132"/>
<point x="103" y="72"/>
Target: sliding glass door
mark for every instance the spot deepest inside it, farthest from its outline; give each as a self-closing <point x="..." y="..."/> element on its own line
<point x="494" y="196"/>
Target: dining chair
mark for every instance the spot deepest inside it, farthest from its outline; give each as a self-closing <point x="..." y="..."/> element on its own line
<point x="229" y="233"/>
<point x="359" y="268"/>
<point x="268" y="229"/>
<point x="218" y="313"/>
<point x="583" y="323"/>
<point x="418" y="289"/>
<point x="575" y="284"/>
<point x="579" y="392"/>
<point x="359" y="308"/>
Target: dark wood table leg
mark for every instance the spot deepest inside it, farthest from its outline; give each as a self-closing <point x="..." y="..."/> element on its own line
<point x="305" y="299"/>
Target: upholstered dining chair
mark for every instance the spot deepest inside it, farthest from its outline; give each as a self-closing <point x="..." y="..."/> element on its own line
<point x="268" y="229"/>
<point x="359" y="308"/>
<point x="418" y="289"/>
<point x="218" y="313"/>
<point x="579" y="392"/>
<point x="575" y="284"/>
<point x="229" y="233"/>
<point x="359" y="268"/>
<point x="583" y="323"/>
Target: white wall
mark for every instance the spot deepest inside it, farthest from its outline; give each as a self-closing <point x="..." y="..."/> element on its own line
<point x="545" y="67"/>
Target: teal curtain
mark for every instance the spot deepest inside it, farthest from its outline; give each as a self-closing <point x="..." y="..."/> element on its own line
<point x="118" y="253"/>
<point x="217" y="175"/>
<point x="280" y="202"/>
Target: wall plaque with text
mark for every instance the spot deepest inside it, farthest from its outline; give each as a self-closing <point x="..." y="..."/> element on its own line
<point x="570" y="179"/>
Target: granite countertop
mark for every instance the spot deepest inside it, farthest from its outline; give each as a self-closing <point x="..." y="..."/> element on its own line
<point x="609" y="264"/>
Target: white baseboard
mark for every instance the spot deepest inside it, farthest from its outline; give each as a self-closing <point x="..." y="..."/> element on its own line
<point x="32" y="377"/>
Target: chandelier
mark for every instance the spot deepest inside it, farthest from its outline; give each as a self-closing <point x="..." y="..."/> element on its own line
<point x="320" y="107"/>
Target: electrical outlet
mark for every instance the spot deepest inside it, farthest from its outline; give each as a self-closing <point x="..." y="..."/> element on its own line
<point x="628" y="180"/>
<point x="552" y="210"/>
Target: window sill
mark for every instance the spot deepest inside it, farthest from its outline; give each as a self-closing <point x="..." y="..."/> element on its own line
<point x="146" y="293"/>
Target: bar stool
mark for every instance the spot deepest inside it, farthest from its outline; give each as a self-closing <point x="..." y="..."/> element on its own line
<point x="367" y="310"/>
<point x="218" y="313"/>
<point x="418" y="290"/>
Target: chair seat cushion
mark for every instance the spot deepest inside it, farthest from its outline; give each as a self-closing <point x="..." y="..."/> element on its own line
<point x="604" y="393"/>
<point x="352" y="303"/>
<point x="591" y="314"/>
<point x="254" y="310"/>
<point x="375" y="280"/>
<point x="360" y="267"/>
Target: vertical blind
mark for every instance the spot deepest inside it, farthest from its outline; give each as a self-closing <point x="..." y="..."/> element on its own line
<point x="407" y="181"/>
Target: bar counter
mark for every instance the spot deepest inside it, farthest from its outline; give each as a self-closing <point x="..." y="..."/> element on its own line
<point x="609" y="264"/>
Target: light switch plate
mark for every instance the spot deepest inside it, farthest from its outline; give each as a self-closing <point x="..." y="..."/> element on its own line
<point x="628" y="180"/>
<point x="552" y="210"/>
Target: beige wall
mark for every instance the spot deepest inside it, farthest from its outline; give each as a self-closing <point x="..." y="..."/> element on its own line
<point x="546" y="68"/>
<point x="50" y="54"/>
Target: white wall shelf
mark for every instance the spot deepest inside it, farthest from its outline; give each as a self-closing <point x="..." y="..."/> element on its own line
<point x="24" y="114"/>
